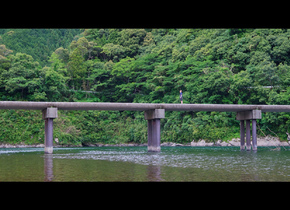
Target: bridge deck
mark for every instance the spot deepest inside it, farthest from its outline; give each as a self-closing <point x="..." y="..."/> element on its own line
<point x="140" y="106"/>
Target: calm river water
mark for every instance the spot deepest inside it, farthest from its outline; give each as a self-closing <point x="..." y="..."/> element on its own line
<point x="136" y="164"/>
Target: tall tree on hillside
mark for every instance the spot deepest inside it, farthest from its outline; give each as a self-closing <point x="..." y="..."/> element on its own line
<point x="23" y="76"/>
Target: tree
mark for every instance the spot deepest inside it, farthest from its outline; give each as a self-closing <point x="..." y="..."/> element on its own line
<point x="240" y="88"/>
<point x="4" y="52"/>
<point x="5" y="62"/>
<point x="98" y="78"/>
<point x="113" y="51"/>
<point x="93" y="50"/>
<point x="76" y="68"/>
<point x="131" y="40"/>
<point x="54" y="84"/>
<point x="63" y="54"/>
<point x="22" y="76"/>
<point x="266" y="74"/>
<point x="123" y="77"/>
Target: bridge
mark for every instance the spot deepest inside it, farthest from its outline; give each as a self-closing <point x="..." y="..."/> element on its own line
<point x="152" y="113"/>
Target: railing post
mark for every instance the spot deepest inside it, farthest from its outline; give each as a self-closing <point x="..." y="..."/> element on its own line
<point x="48" y="115"/>
<point x="153" y="117"/>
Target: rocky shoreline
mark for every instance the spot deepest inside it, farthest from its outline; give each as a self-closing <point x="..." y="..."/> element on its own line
<point x="267" y="141"/>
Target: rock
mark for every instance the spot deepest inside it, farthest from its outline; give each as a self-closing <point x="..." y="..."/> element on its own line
<point x="284" y="143"/>
<point x="39" y="145"/>
<point x="236" y="140"/>
<point x="170" y="144"/>
<point x="201" y="143"/>
<point x="194" y="144"/>
<point x="224" y="144"/>
<point x="263" y="143"/>
<point x="234" y="143"/>
<point x="288" y="136"/>
<point x="218" y="143"/>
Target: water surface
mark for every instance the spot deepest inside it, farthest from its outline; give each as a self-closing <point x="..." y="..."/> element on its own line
<point x="136" y="164"/>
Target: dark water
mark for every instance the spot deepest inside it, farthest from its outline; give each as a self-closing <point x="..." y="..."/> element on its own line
<point x="136" y="164"/>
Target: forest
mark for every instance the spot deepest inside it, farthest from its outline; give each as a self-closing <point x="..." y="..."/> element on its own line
<point x="215" y="66"/>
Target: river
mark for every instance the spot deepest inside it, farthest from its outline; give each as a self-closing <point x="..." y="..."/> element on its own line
<point x="136" y="164"/>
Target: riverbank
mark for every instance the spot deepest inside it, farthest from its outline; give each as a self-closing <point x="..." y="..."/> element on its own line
<point x="267" y="141"/>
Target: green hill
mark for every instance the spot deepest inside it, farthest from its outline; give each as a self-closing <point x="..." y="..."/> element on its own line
<point x="230" y="66"/>
<point x="39" y="43"/>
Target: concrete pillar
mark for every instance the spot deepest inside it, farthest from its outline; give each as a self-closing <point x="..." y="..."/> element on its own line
<point x="248" y="135"/>
<point x="149" y="132"/>
<point x="154" y="135"/>
<point x="242" y="134"/>
<point x="153" y="117"/>
<point x="249" y="115"/>
<point x="254" y="135"/>
<point x="48" y="123"/>
<point x="48" y="115"/>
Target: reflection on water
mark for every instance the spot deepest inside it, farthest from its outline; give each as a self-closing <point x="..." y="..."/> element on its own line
<point x="48" y="167"/>
<point x="136" y="164"/>
<point x="154" y="173"/>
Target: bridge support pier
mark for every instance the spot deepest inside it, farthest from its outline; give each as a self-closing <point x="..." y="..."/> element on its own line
<point x="249" y="115"/>
<point x="153" y="116"/>
<point x="254" y="134"/>
<point x="242" y="134"/>
<point x="48" y="115"/>
<point x="248" y="135"/>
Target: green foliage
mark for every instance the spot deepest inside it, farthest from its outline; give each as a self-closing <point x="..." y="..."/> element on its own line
<point x="218" y="66"/>
<point x="22" y="76"/>
<point x="39" y="43"/>
<point x="21" y="127"/>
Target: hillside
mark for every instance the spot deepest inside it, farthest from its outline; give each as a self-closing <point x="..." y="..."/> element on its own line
<point x="230" y="66"/>
<point x="39" y="43"/>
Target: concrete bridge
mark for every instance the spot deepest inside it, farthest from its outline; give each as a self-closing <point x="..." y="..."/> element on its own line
<point x="152" y="113"/>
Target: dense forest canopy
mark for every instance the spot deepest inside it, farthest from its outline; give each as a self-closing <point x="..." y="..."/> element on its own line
<point x="39" y="43"/>
<point x="218" y="66"/>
